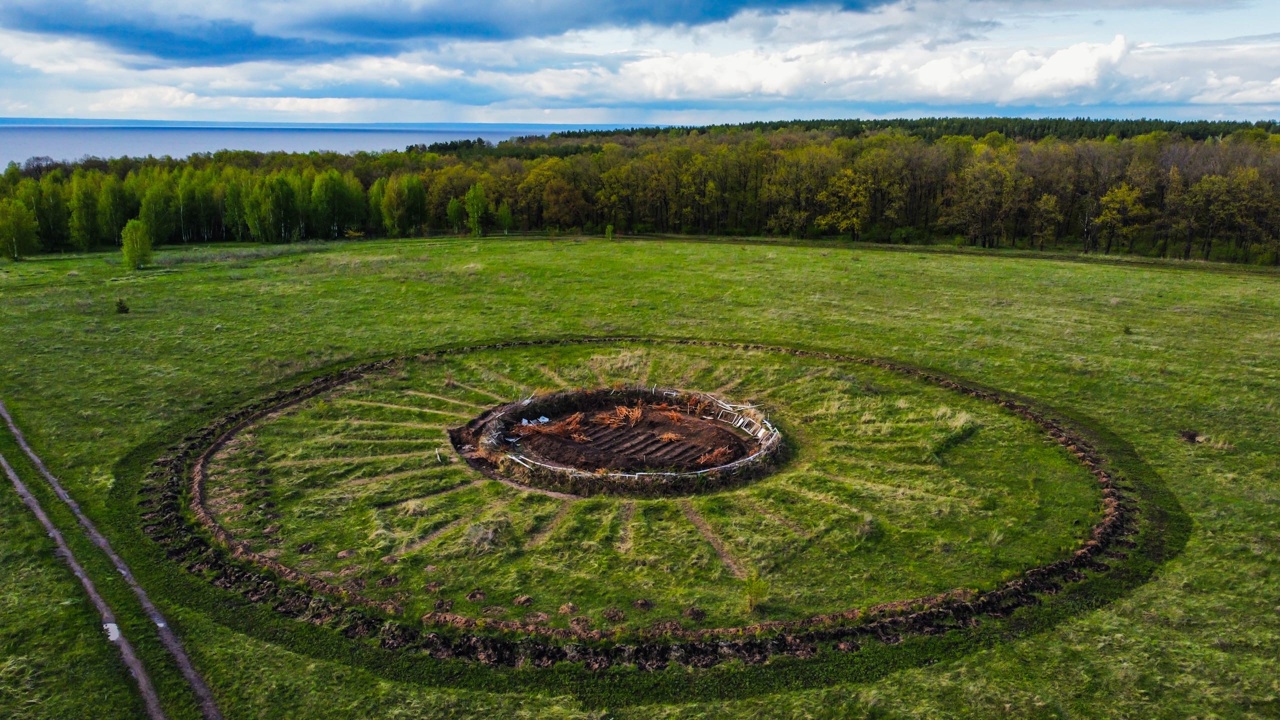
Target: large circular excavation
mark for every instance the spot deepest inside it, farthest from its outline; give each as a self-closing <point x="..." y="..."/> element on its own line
<point x="622" y="441"/>
<point x="907" y="503"/>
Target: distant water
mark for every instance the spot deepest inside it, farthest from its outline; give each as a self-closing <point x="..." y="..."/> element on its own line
<point x="73" y="140"/>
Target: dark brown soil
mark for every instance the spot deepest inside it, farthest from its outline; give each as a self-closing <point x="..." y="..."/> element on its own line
<point x="659" y="440"/>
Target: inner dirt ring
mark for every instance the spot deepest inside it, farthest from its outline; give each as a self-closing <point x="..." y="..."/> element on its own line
<point x="621" y="441"/>
<point x="177" y="484"/>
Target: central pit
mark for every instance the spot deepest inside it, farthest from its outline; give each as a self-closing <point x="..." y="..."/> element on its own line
<point x="621" y="440"/>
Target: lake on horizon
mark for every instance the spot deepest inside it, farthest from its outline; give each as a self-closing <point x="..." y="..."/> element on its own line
<point x="18" y="142"/>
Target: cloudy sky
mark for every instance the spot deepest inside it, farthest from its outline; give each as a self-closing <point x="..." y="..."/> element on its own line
<point x="636" y="61"/>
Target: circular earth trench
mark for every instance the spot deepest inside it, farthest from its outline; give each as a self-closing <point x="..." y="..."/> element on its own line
<point x="894" y="488"/>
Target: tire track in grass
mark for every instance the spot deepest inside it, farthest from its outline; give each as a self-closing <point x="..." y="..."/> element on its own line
<point x="710" y="536"/>
<point x="208" y="706"/>
<point x="371" y="479"/>
<point x="114" y="634"/>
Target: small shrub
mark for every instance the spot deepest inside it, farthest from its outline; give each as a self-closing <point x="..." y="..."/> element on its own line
<point x="122" y="307"/>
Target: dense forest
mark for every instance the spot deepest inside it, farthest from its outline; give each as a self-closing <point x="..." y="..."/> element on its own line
<point x="1182" y="190"/>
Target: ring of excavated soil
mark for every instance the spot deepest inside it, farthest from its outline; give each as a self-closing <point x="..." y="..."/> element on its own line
<point x="205" y="547"/>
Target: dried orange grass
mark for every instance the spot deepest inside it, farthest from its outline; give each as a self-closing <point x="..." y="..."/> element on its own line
<point x="715" y="457"/>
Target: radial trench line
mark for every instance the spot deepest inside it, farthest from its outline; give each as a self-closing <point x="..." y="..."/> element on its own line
<point x="709" y="534"/>
<point x="541" y="535"/>
<point x="204" y="696"/>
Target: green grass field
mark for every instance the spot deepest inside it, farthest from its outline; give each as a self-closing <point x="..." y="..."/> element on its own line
<point x="1138" y="353"/>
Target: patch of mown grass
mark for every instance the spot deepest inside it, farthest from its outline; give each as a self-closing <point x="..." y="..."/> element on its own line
<point x="1196" y="637"/>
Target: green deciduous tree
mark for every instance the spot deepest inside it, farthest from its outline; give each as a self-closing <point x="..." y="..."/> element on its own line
<point x="337" y="204"/>
<point x="159" y="212"/>
<point x="18" y="229"/>
<point x="135" y="244"/>
<point x="85" y="231"/>
<point x="506" y="220"/>
<point x="1122" y="216"/>
<point x="113" y="209"/>
<point x="404" y="205"/>
<point x="477" y="205"/>
<point x="51" y="211"/>
<point x="455" y="213"/>
<point x="848" y="202"/>
<point x="271" y="210"/>
<point x="1046" y="217"/>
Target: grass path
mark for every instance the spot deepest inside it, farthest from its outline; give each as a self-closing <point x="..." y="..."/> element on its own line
<point x="146" y="688"/>
<point x="208" y="706"/>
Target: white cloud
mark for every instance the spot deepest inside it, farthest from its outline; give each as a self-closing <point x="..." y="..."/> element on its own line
<point x="917" y="53"/>
<point x="1080" y="66"/>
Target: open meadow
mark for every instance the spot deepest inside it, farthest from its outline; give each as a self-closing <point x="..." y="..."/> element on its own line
<point x="341" y="560"/>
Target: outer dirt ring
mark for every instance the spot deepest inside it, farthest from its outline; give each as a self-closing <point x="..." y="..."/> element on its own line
<point x="949" y="613"/>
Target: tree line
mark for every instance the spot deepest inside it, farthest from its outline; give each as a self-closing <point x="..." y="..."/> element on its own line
<point x="1157" y="193"/>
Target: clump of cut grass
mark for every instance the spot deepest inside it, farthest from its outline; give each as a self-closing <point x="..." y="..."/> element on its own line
<point x="608" y="419"/>
<point x="630" y="415"/>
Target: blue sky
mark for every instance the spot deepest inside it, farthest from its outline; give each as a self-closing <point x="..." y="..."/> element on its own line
<point x="628" y="61"/>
